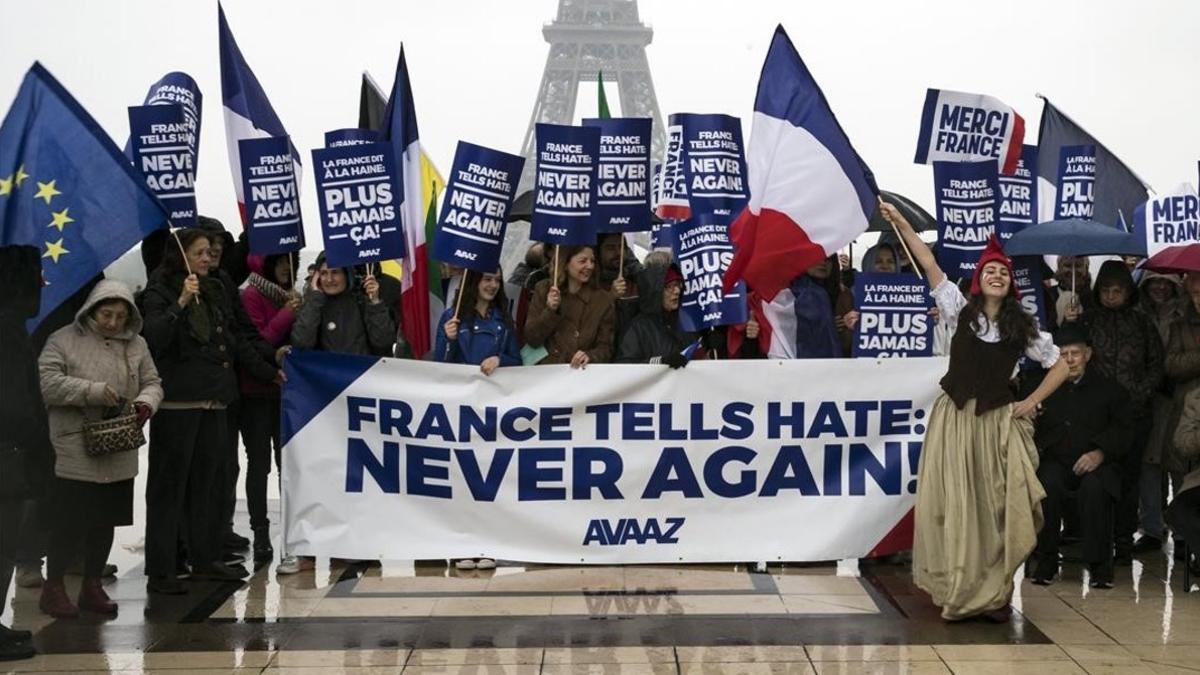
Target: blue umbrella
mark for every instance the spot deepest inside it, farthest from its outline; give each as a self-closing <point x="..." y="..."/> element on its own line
<point x="1074" y="236"/>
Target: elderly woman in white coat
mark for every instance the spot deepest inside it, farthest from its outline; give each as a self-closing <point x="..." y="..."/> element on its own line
<point x="92" y="365"/>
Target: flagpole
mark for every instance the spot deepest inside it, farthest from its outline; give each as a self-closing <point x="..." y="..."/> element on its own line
<point x="461" y="286"/>
<point x="554" y="280"/>
<point x="186" y="265"/>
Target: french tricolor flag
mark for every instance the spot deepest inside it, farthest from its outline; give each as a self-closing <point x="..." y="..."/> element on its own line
<point x="248" y="112"/>
<point x="810" y="192"/>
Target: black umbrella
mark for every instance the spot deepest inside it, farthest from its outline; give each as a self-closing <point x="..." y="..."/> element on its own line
<point x="918" y="217"/>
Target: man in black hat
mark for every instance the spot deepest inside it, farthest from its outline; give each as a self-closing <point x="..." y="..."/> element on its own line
<point x="1082" y="433"/>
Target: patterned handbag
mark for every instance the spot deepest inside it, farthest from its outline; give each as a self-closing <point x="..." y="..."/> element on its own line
<point x="118" y="431"/>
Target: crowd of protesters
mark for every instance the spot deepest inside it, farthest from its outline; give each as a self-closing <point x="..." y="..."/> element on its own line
<point x="1093" y="442"/>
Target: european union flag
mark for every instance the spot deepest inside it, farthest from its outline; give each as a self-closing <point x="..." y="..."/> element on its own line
<point x="66" y="188"/>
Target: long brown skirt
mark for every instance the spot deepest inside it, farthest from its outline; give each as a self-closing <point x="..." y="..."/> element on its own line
<point x="979" y="507"/>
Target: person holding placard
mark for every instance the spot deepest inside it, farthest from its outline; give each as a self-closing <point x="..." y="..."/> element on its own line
<point x="571" y="318"/>
<point x="339" y="316"/>
<point x="655" y="335"/>
<point x="477" y="329"/>
<point x="979" y="463"/>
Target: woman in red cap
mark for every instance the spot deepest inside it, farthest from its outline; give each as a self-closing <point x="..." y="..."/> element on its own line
<point x="978" y="506"/>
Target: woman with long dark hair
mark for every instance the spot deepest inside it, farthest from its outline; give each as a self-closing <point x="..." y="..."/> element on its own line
<point x="978" y="506"/>
<point x="571" y="317"/>
<point x="482" y="334"/>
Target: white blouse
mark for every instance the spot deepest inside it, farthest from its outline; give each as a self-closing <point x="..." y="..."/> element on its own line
<point x="950" y="302"/>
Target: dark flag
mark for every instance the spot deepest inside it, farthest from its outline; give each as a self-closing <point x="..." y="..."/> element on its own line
<point x="1117" y="190"/>
<point x="372" y="105"/>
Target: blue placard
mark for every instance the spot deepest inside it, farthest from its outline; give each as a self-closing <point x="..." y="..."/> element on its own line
<point x="1018" y="196"/>
<point x="703" y="252"/>
<point x="623" y="174"/>
<point x="893" y="317"/>
<point x="272" y="192"/>
<point x="160" y="143"/>
<point x="357" y="190"/>
<point x="714" y="163"/>
<point x="1027" y="275"/>
<point x="565" y="185"/>
<point x="353" y="136"/>
<point x="1076" y="182"/>
<point x="1171" y="219"/>
<point x="177" y="88"/>
<point x="672" y="202"/>
<point x="966" y="212"/>
<point x="475" y="210"/>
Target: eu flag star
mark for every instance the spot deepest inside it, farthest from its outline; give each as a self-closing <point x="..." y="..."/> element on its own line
<point x="5" y="185"/>
<point x="21" y="175"/>
<point x="60" y="219"/>
<point x="54" y="250"/>
<point x="46" y="191"/>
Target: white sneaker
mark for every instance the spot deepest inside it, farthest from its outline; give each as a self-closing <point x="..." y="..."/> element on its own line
<point x="485" y="564"/>
<point x="466" y="564"/>
<point x="289" y="564"/>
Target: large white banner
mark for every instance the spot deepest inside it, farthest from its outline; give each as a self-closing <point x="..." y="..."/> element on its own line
<point x="720" y="461"/>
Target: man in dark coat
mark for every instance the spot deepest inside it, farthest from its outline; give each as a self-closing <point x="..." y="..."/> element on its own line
<point x="1082" y="435"/>
<point x="26" y="456"/>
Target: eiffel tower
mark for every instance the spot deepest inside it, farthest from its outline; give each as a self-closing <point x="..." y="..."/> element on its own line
<point x="586" y="38"/>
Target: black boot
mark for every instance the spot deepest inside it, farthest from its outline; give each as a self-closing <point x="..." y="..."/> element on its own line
<point x="12" y="649"/>
<point x="263" y="551"/>
<point x="14" y="635"/>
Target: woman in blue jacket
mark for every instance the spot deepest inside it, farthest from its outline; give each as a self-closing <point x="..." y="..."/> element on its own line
<point x="483" y="334"/>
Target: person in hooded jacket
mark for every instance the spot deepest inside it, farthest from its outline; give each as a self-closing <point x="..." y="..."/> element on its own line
<point x="1160" y="297"/>
<point x="26" y="456"/>
<point x="190" y="328"/>
<point x="94" y="364"/>
<point x="338" y="315"/>
<point x="483" y="335"/>
<point x="271" y="302"/>
<point x="824" y="311"/>
<point x="1129" y="350"/>
<point x="655" y="336"/>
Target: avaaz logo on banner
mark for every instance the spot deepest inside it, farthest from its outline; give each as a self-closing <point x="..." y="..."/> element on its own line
<point x="360" y="204"/>
<point x="475" y="211"/>
<point x="161" y="144"/>
<point x="966" y="213"/>
<point x="893" y="316"/>
<point x="623" y="174"/>
<point x="272" y="195"/>
<point x="565" y="184"/>
<point x="703" y="251"/>
<point x="1076" y="182"/>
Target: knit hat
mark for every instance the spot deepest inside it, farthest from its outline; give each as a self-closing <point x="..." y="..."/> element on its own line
<point x="994" y="253"/>
<point x="673" y="275"/>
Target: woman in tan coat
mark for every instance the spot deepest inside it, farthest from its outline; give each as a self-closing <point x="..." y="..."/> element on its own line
<point x="574" y="319"/>
<point x="93" y="364"/>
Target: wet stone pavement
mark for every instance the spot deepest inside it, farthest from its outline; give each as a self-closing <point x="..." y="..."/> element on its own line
<point x="430" y="618"/>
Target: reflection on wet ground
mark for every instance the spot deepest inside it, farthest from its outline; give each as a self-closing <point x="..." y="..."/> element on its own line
<point x="420" y="617"/>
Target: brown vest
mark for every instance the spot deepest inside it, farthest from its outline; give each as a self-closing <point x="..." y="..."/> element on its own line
<point x="979" y="370"/>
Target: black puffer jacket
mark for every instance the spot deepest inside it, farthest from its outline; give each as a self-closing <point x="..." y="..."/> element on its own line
<point x="653" y="334"/>
<point x="193" y="369"/>
<point x="1126" y="344"/>
<point x="23" y="421"/>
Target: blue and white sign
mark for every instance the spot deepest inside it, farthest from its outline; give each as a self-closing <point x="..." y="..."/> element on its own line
<point x="1018" y="196"/>
<point x="360" y="203"/>
<point x="961" y="127"/>
<point x="1172" y="219"/>
<point x="672" y="201"/>
<point x="714" y="163"/>
<point x="966" y="195"/>
<point x="352" y="136"/>
<point x="271" y="188"/>
<point x="1076" y="182"/>
<point x="474" y="215"/>
<point x="629" y="463"/>
<point x="893" y="316"/>
<point x="177" y="88"/>
<point x="623" y="174"/>
<point x="564" y="198"/>
<point x="160" y="142"/>
<point x="1027" y="277"/>
<point x="703" y="252"/>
